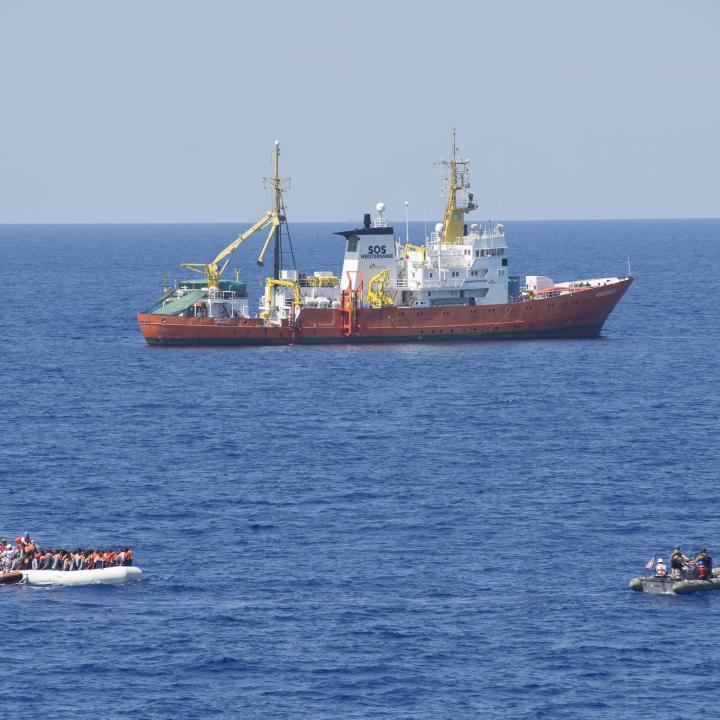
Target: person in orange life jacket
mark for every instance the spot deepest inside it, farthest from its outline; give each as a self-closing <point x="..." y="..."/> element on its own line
<point x="703" y="563"/>
<point x="26" y="542"/>
<point x="27" y="546"/>
<point x="660" y="569"/>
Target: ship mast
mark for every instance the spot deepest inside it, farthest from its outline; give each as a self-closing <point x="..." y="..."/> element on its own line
<point x="277" y="185"/>
<point x="278" y="206"/>
<point x="456" y="182"/>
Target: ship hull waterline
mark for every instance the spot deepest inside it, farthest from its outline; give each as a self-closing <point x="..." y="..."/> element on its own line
<point x="578" y="315"/>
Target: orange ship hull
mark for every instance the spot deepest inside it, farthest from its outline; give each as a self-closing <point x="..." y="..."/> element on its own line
<point x="577" y="315"/>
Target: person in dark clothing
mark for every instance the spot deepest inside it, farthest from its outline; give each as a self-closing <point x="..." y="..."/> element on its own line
<point x="677" y="563"/>
<point x="703" y="563"/>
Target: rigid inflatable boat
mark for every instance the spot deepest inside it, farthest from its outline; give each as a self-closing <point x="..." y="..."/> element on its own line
<point x="10" y="578"/>
<point x="672" y="586"/>
<point x="102" y="576"/>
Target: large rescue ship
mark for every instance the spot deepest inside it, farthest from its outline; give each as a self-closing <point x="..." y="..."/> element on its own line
<point x="454" y="287"/>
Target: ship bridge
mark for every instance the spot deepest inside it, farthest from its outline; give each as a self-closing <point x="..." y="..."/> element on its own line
<point x="472" y="269"/>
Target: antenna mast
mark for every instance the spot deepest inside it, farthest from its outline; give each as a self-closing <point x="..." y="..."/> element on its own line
<point x="456" y="183"/>
<point x="277" y="185"/>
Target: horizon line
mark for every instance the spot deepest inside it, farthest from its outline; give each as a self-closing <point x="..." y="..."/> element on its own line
<point x="397" y="222"/>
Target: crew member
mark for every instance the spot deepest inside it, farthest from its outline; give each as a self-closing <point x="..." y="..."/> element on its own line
<point x="660" y="569"/>
<point x="677" y="561"/>
<point x="703" y="563"/>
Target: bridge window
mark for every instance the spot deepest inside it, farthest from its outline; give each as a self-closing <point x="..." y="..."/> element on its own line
<point x="352" y="242"/>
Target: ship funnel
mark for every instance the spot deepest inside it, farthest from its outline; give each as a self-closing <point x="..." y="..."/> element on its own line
<point x="366" y="221"/>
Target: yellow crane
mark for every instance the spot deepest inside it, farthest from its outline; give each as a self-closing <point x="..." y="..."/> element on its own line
<point x="419" y="248"/>
<point x="272" y="283"/>
<point x="272" y="219"/>
<point x="376" y="295"/>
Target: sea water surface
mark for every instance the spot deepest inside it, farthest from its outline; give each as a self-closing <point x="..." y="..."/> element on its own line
<point x="400" y="531"/>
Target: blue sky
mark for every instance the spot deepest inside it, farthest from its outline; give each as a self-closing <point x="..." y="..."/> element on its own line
<point x="167" y="111"/>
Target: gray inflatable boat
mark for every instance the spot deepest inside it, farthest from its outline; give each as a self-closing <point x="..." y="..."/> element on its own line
<point x="672" y="586"/>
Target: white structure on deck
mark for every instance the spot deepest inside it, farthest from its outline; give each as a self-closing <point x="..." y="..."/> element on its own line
<point x="471" y="270"/>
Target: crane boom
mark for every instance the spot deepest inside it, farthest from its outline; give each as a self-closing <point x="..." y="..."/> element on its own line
<point x="259" y="225"/>
<point x="272" y="218"/>
<point x="212" y="270"/>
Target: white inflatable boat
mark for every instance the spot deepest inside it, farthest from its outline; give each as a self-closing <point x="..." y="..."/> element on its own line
<point x="103" y="576"/>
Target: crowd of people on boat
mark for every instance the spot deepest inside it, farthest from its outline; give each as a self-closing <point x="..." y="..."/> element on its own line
<point x="25" y="554"/>
<point x="682" y="567"/>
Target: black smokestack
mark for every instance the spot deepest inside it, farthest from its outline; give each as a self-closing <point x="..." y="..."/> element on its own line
<point x="366" y="221"/>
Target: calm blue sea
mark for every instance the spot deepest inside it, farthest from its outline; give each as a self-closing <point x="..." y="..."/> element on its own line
<point x="415" y="532"/>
